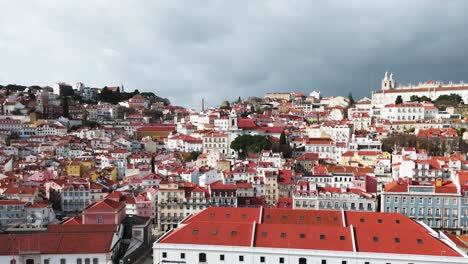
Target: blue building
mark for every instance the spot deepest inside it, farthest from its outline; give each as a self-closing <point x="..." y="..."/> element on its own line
<point x="439" y="205"/>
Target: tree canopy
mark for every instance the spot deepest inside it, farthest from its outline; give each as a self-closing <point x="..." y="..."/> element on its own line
<point x="398" y="100"/>
<point x="225" y="105"/>
<point x="246" y="144"/>
<point x="415" y="98"/>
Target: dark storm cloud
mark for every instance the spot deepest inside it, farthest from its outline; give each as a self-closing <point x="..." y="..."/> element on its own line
<point x="186" y="50"/>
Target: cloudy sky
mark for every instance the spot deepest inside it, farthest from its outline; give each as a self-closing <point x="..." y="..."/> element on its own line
<point x="186" y="50"/>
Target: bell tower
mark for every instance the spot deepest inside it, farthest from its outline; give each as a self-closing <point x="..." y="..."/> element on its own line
<point x="388" y="82"/>
<point x="233" y="119"/>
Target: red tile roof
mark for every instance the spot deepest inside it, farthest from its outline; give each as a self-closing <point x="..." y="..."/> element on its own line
<point x="218" y="233"/>
<point x="57" y="243"/>
<point x="306" y="229"/>
<point x="303" y="237"/>
<point x="220" y="214"/>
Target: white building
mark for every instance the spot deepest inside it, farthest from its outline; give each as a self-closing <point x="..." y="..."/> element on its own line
<point x="257" y="235"/>
<point x="403" y="112"/>
<point x="431" y="89"/>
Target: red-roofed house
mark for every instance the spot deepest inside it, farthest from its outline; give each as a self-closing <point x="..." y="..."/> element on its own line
<point x="105" y="212"/>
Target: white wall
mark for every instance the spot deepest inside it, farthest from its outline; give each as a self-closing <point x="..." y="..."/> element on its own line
<point x="291" y="256"/>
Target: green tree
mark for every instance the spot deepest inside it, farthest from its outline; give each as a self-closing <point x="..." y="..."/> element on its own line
<point x="460" y="131"/>
<point x="154" y="114"/>
<point x="246" y="144"/>
<point x="66" y="90"/>
<point x="398" y="100"/>
<point x="65" y="106"/>
<point x="282" y="140"/>
<point x="12" y="136"/>
<point x="225" y="105"/>
<point x="351" y="101"/>
<point x="193" y="156"/>
<point x="414" y="98"/>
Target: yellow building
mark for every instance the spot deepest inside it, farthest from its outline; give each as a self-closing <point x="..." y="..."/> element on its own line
<point x="362" y="157"/>
<point x="85" y="165"/>
<point x="73" y="169"/>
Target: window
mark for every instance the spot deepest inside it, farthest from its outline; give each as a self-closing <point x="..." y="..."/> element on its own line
<point x="164" y="254"/>
<point x="79" y="261"/>
<point x="342" y="237"/>
<point x="63" y="261"/>
<point x="322" y="237"/>
<point x="262" y="259"/>
<point x="324" y="261"/>
<point x="343" y="262"/>
<point x="221" y="257"/>
<point x="376" y="239"/>
<point x="283" y="235"/>
<point x="95" y="261"/>
<point x="182" y="255"/>
<point x="302" y="261"/>
<point x="302" y="235"/>
<point x="419" y="241"/>
<point x="233" y="233"/>
<point x="195" y="232"/>
<point x="214" y="232"/>
<point x="100" y="220"/>
<point x="202" y="257"/>
<point x="241" y="258"/>
<point x="46" y="261"/>
<point x="361" y="220"/>
<point x="264" y="234"/>
<point x="397" y="240"/>
<point x="244" y="216"/>
<point x="281" y="260"/>
<point x="87" y="261"/>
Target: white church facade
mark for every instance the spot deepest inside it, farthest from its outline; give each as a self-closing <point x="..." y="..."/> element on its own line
<point x="432" y="89"/>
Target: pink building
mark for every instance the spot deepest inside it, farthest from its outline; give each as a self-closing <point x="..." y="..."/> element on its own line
<point x="365" y="183"/>
<point x="143" y="205"/>
<point x="108" y="212"/>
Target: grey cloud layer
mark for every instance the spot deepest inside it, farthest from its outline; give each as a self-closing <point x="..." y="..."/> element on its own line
<point x="185" y="50"/>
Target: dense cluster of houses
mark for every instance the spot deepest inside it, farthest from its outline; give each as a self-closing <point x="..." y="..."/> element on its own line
<point x="326" y="153"/>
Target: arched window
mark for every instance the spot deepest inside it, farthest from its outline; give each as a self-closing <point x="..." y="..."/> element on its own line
<point x="302" y="261"/>
<point x="202" y="257"/>
<point x="30" y="261"/>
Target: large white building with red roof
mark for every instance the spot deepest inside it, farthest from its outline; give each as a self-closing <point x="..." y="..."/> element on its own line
<point x="261" y="235"/>
<point x="431" y="89"/>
